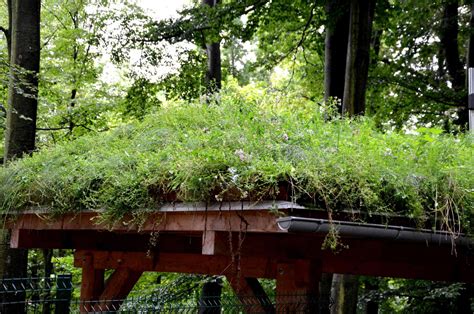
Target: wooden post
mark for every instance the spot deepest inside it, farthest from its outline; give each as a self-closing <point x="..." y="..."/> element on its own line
<point x="92" y="283"/>
<point x="297" y="286"/>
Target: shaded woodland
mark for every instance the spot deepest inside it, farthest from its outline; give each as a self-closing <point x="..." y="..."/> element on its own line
<point x="350" y="105"/>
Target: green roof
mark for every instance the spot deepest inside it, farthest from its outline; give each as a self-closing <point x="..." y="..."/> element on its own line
<point x="241" y="148"/>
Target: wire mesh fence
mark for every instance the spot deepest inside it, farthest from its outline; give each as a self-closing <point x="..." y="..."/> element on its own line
<point x="54" y="295"/>
<point x="224" y="304"/>
<point x="36" y="295"/>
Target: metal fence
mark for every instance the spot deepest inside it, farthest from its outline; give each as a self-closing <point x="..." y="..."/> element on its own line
<point x="54" y="295"/>
<point x="36" y="295"/>
<point x="225" y="304"/>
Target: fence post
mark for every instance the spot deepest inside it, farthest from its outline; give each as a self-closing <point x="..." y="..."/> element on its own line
<point x="210" y="301"/>
<point x="63" y="294"/>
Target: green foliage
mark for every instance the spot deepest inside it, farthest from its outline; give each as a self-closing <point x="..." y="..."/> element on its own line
<point x="410" y="296"/>
<point x="241" y="146"/>
<point x="73" y="98"/>
<point x="65" y="265"/>
<point x="188" y="83"/>
<point x="141" y="98"/>
<point x="409" y="82"/>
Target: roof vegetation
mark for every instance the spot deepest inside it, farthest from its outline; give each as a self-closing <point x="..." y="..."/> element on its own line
<point x="244" y="146"/>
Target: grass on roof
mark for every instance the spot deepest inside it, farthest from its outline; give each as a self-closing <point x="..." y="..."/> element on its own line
<point x="244" y="146"/>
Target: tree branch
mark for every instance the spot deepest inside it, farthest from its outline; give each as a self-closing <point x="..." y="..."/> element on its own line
<point x="52" y="129"/>
<point x="5" y="30"/>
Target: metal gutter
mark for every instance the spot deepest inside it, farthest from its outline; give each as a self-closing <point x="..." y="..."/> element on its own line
<point x="373" y="231"/>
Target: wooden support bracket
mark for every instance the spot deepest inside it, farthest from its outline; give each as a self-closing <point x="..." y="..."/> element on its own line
<point x="117" y="287"/>
<point x="97" y="296"/>
<point x="251" y="294"/>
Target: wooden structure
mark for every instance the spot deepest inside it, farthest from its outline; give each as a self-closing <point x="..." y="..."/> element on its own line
<point x="238" y="240"/>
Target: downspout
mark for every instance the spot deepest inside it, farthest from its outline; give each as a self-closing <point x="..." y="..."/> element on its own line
<point x="373" y="231"/>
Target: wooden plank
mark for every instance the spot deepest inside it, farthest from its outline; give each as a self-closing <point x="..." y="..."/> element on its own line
<point x="251" y="221"/>
<point x="259" y="267"/>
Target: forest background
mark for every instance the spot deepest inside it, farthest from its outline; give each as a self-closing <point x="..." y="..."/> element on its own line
<point x="103" y="64"/>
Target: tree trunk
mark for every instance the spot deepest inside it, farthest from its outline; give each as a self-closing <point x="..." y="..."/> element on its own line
<point x="375" y="43"/>
<point x="470" y="50"/>
<point x="213" y="51"/>
<point x="358" y="56"/>
<point x="325" y="293"/>
<point x="21" y="117"/>
<point x="8" y="32"/>
<point x="449" y="44"/>
<point x="345" y="289"/>
<point x="23" y="86"/>
<point x="335" y="51"/>
<point x="75" y="56"/>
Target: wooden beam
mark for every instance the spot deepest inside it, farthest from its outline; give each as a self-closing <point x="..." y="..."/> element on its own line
<point x="251" y="294"/>
<point x="92" y="283"/>
<point x="225" y="220"/>
<point x="399" y="259"/>
<point x="259" y="267"/>
<point x="120" y="283"/>
<point x="297" y="285"/>
<point x="117" y="287"/>
<point x="361" y="256"/>
<point x="190" y="242"/>
<point x="192" y="217"/>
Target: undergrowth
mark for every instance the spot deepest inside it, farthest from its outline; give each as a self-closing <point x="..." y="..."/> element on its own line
<point x="246" y="146"/>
